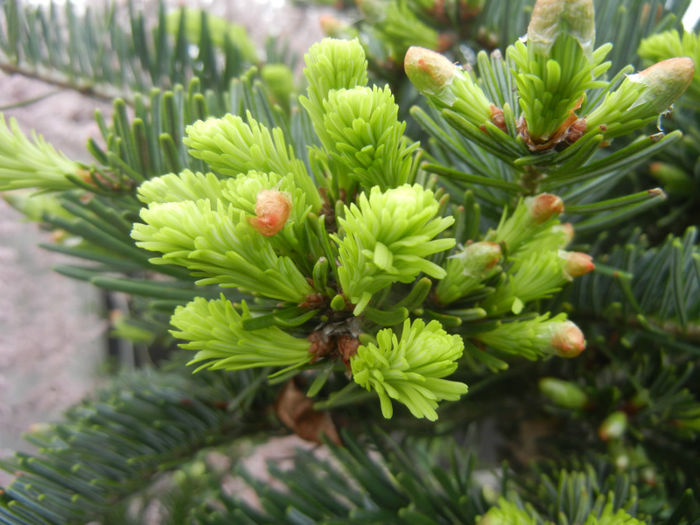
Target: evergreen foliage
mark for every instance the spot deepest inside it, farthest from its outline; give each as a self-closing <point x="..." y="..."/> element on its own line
<point x="410" y="370"/>
<point x="114" y="445"/>
<point x="99" y="54"/>
<point x="317" y="258"/>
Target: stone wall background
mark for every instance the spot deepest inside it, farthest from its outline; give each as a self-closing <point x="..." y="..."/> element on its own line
<point x="51" y="328"/>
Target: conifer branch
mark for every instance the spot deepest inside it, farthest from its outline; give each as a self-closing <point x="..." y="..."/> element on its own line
<point x="114" y="53"/>
<point x="650" y="286"/>
<point x="109" y="448"/>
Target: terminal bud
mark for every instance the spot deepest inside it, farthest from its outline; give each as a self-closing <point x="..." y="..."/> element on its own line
<point x="272" y="210"/>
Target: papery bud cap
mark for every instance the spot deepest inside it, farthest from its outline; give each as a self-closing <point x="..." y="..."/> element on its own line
<point x="666" y="81"/>
<point x="544" y="206"/>
<point x="568" y="340"/>
<point x="613" y="427"/>
<point x="272" y="210"/>
<point x="577" y="263"/>
<point x="550" y="18"/>
<point x="480" y="257"/>
<point x="330" y="25"/>
<point x="429" y="71"/>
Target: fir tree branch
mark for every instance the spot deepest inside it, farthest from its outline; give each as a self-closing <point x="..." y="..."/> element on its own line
<point x="109" y="448"/>
<point x="110" y="53"/>
<point x="647" y="286"/>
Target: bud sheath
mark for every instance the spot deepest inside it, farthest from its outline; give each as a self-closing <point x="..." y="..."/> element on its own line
<point x="665" y="81"/>
<point x="567" y="340"/>
<point x="272" y="211"/>
<point x="429" y="71"/>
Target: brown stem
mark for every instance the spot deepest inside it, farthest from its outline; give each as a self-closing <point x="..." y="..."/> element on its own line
<point x="90" y="90"/>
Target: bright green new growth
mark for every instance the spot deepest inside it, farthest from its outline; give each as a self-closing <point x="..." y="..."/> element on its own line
<point x="552" y="86"/>
<point x="241" y="192"/>
<point x="215" y="330"/>
<point x="32" y="163"/>
<point x="507" y="513"/>
<point x="363" y="140"/>
<point x="231" y="147"/>
<point x="470" y="100"/>
<point x="386" y="237"/>
<point x="610" y="516"/>
<point x="410" y="369"/>
<point x="534" y="275"/>
<point x="642" y="96"/>
<point x="467" y="270"/>
<point x="539" y="267"/>
<point x="185" y="186"/>
<point x="669" y="44"/>
<point x="536" y="338"/>
<point x="334" y="64"/>
<point x="364" y="136"/>
<point x="555" y="68"/>
<point x="331" y="64"/>
<point x="215" y="242"/>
